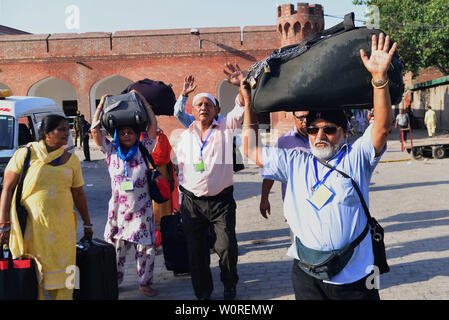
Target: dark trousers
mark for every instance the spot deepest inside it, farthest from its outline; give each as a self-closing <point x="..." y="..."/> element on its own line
<point x="198" y="214"/>
<point x="307" y="287"/>
<point x="86" y="147"/>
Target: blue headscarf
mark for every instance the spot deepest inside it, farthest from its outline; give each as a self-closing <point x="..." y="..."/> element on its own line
<point x="131" y="152"/>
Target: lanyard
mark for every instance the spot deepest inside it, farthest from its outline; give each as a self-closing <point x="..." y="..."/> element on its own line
<point x="204" y="143"/>
<point x="327" y="174"/>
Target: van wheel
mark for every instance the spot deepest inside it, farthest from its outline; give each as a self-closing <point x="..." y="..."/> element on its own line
<point x="438" y="152"/>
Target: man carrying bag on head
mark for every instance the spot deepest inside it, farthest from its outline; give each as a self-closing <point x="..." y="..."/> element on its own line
<point x="337" y="243"/>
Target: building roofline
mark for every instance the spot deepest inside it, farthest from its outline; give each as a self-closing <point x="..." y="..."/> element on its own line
<point x="9" y="30"/>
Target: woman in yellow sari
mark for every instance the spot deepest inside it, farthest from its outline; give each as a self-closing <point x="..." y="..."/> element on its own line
<point x="53" y="183"/>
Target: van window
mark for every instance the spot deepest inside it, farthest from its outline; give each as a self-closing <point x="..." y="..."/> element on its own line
<point x="6" y="132"/>
<point x="26" y="133"/>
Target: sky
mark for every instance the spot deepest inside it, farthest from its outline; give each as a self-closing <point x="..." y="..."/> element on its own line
<point x="79" y="16"/>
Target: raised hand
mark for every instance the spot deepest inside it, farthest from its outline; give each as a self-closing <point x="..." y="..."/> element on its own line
<point x="379" y="61"/>
<point x="189" y="85"/>
<point x="234" y="74"/>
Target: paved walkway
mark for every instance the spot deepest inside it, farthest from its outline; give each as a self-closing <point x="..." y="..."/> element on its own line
<point x="408" y="198"/>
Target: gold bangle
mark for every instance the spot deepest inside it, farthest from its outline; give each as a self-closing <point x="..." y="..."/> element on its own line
<point x="379" y="85"/>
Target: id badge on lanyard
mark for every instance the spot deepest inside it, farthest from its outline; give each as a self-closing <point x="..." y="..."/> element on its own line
<point x="321" y="193"/>
<point x="199" y="165"/>
<point x="127" y="183"/>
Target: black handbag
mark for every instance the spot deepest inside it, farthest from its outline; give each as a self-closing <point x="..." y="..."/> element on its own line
<point x="158" y="187"/>
<point x="376" y="230"/>
<point x="18" y="278"/>
<point x="324" y="71"/>
<point x="123" y="110"/>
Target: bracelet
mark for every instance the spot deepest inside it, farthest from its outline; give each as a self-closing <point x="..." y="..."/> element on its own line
<point x="379" y="85"/>
<point x="5" y="229"/>
<point x="88" y="227"/>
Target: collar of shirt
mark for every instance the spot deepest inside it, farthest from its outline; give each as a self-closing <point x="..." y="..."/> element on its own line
<point x="215" y="122"/>
<point x="299" y="135"/>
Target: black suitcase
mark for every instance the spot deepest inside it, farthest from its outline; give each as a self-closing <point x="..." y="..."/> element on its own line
<point x="123" y="110"/>
<point x="158" y="94"/>
<point x="174" y="244"/>
<point x="323" y="72"/>
<point x="97" y="265"/>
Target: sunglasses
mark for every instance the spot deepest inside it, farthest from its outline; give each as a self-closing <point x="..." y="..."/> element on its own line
<point x="330" y="130"/>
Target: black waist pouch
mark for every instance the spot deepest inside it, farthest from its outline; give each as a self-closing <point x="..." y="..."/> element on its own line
<point x="324" y="265"/>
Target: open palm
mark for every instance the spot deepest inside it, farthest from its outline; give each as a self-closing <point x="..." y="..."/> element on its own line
<point x="234" y="74"/>
<point x="381" y="54"/>
<point x="189" y="85"/>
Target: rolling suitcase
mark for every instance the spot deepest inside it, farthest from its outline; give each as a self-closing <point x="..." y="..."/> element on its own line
<point x="174" y="244"/>
<point x="123" y="110"/>
<point x="97" y="264"/>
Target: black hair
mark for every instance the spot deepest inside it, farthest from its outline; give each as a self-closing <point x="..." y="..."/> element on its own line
<point x="48" y="124"/>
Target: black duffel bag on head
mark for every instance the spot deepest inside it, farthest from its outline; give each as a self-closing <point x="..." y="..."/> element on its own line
<point x="324" y="71"/>
<point x="158" y="94"/>
<point x="123" y="110"/>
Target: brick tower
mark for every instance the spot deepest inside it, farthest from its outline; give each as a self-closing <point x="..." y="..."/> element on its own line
<point x="294" y="26"/>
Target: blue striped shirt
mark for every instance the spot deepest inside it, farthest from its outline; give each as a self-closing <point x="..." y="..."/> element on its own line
<point x="342" y="218"/>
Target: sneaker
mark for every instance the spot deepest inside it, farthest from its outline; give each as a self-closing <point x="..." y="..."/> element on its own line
<point x="148" y="291"/>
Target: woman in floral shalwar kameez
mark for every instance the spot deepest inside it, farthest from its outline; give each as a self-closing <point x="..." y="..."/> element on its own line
<point x="130" y="215"/>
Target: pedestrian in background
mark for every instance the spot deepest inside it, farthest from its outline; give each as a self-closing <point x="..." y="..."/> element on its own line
<point x="77" y="129"/>
<point x="403" y="122"/>
<point x="85" y="135"/>
<point x="430" y="121"/>
<point x="130" y="215"/>
<point x="52" y="185"/>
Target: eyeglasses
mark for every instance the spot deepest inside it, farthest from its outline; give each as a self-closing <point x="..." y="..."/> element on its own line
<point x="330" y="130"/>
<point x="300" y="118"/>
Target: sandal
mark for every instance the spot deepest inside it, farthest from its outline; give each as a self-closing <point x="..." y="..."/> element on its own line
<point x="148" y="291"/>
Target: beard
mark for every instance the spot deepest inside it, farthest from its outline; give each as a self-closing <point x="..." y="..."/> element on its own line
<point x="327" y="152"/>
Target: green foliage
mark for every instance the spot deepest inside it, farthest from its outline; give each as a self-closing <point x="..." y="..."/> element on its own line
<point x="421" y="29"/>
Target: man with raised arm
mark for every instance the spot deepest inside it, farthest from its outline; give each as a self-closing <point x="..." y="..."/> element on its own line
<point x="322" y="207"/>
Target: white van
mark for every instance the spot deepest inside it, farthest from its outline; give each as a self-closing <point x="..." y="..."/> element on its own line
<point x="20" y="118"/>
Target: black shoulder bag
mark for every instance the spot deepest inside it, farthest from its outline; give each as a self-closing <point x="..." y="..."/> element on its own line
<point x="377" y="232"/>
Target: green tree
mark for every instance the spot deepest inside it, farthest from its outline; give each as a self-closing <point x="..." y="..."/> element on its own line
<point x="421" y="29"/>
